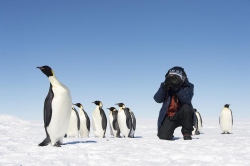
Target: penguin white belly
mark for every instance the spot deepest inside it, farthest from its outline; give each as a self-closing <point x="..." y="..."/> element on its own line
<point x="199" y="125"/>
<point x="84" y="132"/>
<point x="111" y="124"/>
<point x="61" y="111"/>
<point x="226" y="121"/>
<point x="72" y="129"/>
<point x="122" y="124"/>
<point x="97" y="123"/>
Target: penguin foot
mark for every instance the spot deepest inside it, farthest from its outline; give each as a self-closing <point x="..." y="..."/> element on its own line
<point x="57" y="144"/>
<point x="228" y="133"/>
<point x="197" y="133"/>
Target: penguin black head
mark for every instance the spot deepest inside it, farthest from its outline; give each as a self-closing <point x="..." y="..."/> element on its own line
<point x="227" y="105"/>
<point x="120" y="104"/>
<point x="127" y="109"/>
<point x="46" y="70"/>
<point x="73" y="106"/>
<point x="78" y="105"/>
<point x="99" y="103"/>
<point x="112" y="109"/>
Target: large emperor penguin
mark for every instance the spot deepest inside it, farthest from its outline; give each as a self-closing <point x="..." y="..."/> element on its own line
<point x="197" y="123"/>
<point x="99" y="120"/>
<point x="57" y="110"/>
<point x="74" y="124"/>
<point x="226" y="120"/>
<point x="85" y="122"/>
<point x="132" y="132"/>
<point x="124" y="120"/>
<point x="114" y="126"/>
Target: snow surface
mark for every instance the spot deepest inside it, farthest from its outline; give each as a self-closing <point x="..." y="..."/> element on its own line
<point x="19" y="140"/>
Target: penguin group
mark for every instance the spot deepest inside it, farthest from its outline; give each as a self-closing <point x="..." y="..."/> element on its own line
<point x="122" y="122"/>
<point x="61" y="119"/>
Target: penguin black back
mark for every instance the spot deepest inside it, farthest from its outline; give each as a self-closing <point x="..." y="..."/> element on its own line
<point x="104" y="121"/>
<point x="134" y="120"/>
<point x="128" y="118"/>
<point x="48" y="107"/>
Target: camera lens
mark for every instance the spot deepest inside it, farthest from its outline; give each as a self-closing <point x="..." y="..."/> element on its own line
<point x="175" y="80"/>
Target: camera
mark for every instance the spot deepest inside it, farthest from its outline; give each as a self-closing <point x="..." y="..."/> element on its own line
<point x="174" y="79"/>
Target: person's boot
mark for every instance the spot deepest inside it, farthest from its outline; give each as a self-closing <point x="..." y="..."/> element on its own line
<point x="187" y="137"/>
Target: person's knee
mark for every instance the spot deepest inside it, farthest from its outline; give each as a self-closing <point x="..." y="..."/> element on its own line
<point x="187" y="109"/>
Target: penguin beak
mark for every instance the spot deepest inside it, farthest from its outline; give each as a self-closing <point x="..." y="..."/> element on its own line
<point x="40" y="68"/>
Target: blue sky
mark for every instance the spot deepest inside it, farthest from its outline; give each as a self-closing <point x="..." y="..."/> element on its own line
<point x="119" y="51"/>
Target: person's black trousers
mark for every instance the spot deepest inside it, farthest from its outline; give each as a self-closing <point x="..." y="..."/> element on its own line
<point x="183" y="117"/>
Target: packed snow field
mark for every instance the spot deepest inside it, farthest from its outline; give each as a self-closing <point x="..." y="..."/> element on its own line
<point x="19" y="146"/>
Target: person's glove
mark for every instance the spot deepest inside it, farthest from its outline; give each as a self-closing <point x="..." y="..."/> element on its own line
<point x="167" y="83"/>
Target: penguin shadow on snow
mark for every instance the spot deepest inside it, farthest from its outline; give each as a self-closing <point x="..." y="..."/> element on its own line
<point x="137" y="137"/>
<point x="79" y="142"/>
<point x="181" y="138"/>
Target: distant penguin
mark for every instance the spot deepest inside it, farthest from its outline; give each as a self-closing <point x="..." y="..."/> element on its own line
<point x="132" y="132"/>
<point x="74" y="124"/>
<point x="57" y="110"/>
<point x="85" y="122"/>
<point x="197" y="123"/>
<point x="124" y="120"/>
<point x="114" y="126"/>
<point x="99" y="120"/>
<point x="226" y="120"/>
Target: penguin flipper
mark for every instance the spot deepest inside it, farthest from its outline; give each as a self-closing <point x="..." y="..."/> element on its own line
<point x="114" y="124"/>
<point x="88" y="120"/>
<point x="128" y="119"/>
<point x="47" y="113"/>
<point x="78" y="119"/>
<point x="104" y="119"/>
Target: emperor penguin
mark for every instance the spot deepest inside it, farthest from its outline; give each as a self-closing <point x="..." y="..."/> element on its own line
<point x="226" y="120"/>
<point x="132" y="132"/>
<point x="57" y="110"/>
<point x="197" y="123"/>
<point x="74" y="124"/>
<point x="85" y="122"/>
<point x="114" y="126"/>
<point x="99" y="120"/>
<point x="124" y="120"/>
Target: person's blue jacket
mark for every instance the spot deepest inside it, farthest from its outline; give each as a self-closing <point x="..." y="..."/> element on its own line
<point x="163" y="96"/>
